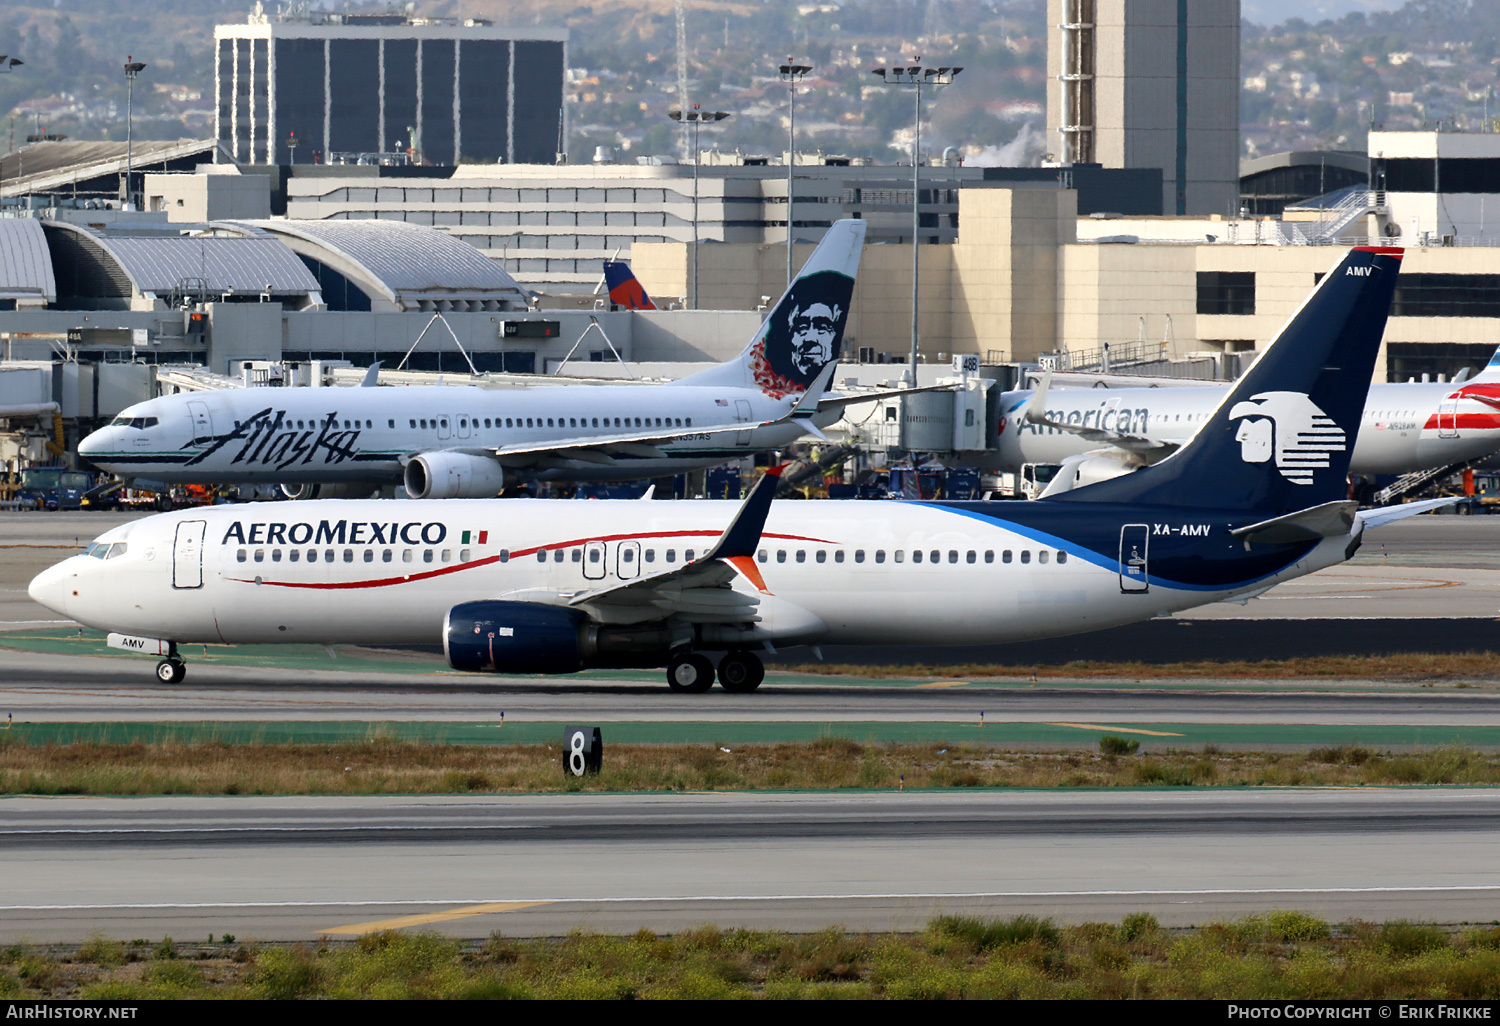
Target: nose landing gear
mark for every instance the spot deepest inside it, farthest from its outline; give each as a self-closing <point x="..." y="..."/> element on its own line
<point x="172" y="669"/>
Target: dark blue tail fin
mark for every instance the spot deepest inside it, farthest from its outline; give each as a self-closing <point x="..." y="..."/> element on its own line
<point x="1281" y="439"/>
<point x="625" y="289"/>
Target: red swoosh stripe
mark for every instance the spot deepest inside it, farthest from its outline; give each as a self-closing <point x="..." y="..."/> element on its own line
<point x="517" y="554"/>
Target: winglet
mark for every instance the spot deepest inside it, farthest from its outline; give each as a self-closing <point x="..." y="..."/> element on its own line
<point x="743" y="533"/>
<point x="372" y="376"/>
<point x="1036" y="409"/>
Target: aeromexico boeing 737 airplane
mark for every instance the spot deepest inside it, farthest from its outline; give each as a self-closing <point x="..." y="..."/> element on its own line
<point x="468" y="442"/>
<point x="1256" y="498"/>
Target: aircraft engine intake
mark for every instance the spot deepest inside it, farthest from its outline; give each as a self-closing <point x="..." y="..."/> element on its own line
<point x="453" y="475"/>
<point x="532" y="637"/>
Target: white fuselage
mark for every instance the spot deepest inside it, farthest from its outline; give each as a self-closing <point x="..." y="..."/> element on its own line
<point x="1405" y="427"/>
<point x="370" y="571"/>
<point x="337" y="435"/>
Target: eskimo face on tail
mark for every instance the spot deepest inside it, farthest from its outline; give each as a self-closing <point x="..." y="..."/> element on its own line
<point x="803" y="335"/>
<point x="1289" y="428"/>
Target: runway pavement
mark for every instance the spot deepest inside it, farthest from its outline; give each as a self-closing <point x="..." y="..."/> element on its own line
<point x="293" y="868"/>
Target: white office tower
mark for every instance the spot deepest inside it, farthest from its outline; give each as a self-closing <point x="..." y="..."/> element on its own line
<point x="1149" y="83"/>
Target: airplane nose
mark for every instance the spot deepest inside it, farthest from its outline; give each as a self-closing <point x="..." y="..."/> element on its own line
<point x="53" y="587"/>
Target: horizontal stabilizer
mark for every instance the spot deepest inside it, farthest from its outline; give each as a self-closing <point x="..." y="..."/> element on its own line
<point x="1391" y="514"/>
<point x="1330" y="520"/>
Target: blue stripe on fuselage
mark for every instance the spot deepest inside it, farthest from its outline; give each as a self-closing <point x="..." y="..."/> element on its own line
<point x="1213" y="560"/>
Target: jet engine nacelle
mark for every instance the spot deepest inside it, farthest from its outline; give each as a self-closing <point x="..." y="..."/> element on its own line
<point x="532" y="637"/>
<point x="453" y="475"/>
<point x="1077" y="471"/>
<point x="345" y="490"/>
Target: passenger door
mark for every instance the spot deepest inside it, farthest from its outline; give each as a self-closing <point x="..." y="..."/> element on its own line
<point x="187" y="555"/>
<point x="1134" y="541"/>
<point x="203" y="422"/>
<point x="1448" y="418"/>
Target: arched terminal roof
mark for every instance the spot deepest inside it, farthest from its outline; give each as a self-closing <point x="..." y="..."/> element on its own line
<point x="409" y="267"/>
<point x="25" y="264"/>
<point x="129" y="262"/>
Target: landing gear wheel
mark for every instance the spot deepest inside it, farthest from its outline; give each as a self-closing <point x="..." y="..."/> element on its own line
<point x="692" y="673"/>
<point x="171" y="671"/>
<point x="741" y="671"/>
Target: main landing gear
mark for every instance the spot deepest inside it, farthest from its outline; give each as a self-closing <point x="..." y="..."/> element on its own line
<point x="739" y="671"/>
<point x="172" y="669"/>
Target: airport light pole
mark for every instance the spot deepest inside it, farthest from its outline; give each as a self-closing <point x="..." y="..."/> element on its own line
<point x="792" y="75"/>
<point x="133" y="68"/>
<point x="696" y="118"/>
<point x="916" y="75"/>
<point x="7" y="65"/>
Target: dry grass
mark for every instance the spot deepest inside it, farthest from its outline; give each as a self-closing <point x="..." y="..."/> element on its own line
<point x="394" y="767"/>
<point x="1481" y="667"/>
<point x="1282" y="954"/>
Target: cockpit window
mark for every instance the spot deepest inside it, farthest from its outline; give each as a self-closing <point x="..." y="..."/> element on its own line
<point x="139" y="423"/>
<point x="105" y="550"/>
<point x="115" y="550"/>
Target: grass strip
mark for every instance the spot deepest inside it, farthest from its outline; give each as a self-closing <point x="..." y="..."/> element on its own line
<point x="385" y="766"/>
<point x="1281" y="954"/>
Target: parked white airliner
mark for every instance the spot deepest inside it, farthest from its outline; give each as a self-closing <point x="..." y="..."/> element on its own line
<point x="1099" y="433"/>
<point x="469" y="442"/>
<point x="538" y="586"/>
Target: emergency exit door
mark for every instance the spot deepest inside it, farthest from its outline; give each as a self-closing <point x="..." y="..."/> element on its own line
<point x="187" y="555"/>
<point x="1134" y="571"/>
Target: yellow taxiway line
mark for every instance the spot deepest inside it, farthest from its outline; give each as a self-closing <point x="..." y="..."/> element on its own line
<point x="432" y="917"/>
<point x="1119" y="730"/>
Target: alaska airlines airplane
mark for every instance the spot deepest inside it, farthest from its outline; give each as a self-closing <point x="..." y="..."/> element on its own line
<point x="1254" y="499"/>
<point x="468" y="442"/>
<point x="1097" y="433"/>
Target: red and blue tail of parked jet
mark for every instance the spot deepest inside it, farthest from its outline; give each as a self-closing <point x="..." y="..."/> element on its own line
<point x="625" y="289"/>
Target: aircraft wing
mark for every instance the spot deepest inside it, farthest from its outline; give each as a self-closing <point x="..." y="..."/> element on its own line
<point x="1148" y="450"/>
<point x="700" y="590"/>
<point x="646" y="443"/>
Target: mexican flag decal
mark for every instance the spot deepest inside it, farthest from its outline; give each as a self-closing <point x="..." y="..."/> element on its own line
<point x="484" y="536"/>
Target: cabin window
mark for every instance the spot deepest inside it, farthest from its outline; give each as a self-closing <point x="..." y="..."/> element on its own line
<point x="972" y="556"/>
<point x="463" y="555"/>
<point x="627" y="555"/>
<point x="937" y="557"/>
<point x="822" y="556"/>
<point x="572" y="422"/>
<point x="1005" y="556"/>
<point x="276" y="555"/>
<point x="240" y="556"/>
<point x="505" y="555"/>
<point x="424" y="423"/>
<point x="916" y="555"/>
<point x="880" y="555"/>
<point x="1026" y="555"/>
<point x="447" y="555"/>
<point x="443" y="423"/>
<point x="406" y="555"/>
<point x="294" y="555"/>
<point x="781" y="555"/>
<point x="989" y="555"/>
<point x="549" y="421"/>
<point x="328" y="555"/>
<point x="651" y="555"/>
<point x="577" y="556"/>
<point x="369" y="555"/>
<point x="541" y="555"/>
<point x="595" y="555"/>
<point x="385" y="557"/>
<point x="761" y="555"/>
<point x="1062" y="557"/>
<point x="838" y="555"/>
<point x="687" y="555"/>
<point x="391" y="422"/>
<point x="427" y="555"/>
<point x="508" y="423"/>
<point x="690" y="422"/>
<point x="953" y="555"/>
<point x="802" y="555"/>
<point x="1041" y="557"/>
<point x="557" y="556"/>
<point x="413" y="424"/>
<point x="312" y="555"/>
<point x="672" y="556"/>
<point x="596" y="422"/>
<point x="859" y="555"/>
<point x="348" y="555"/>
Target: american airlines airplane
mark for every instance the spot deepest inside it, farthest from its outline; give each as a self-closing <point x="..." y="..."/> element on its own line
<point x="1100" y="433"/>
<point x="1256" y="498"/>
<point x="468" y="442"/>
